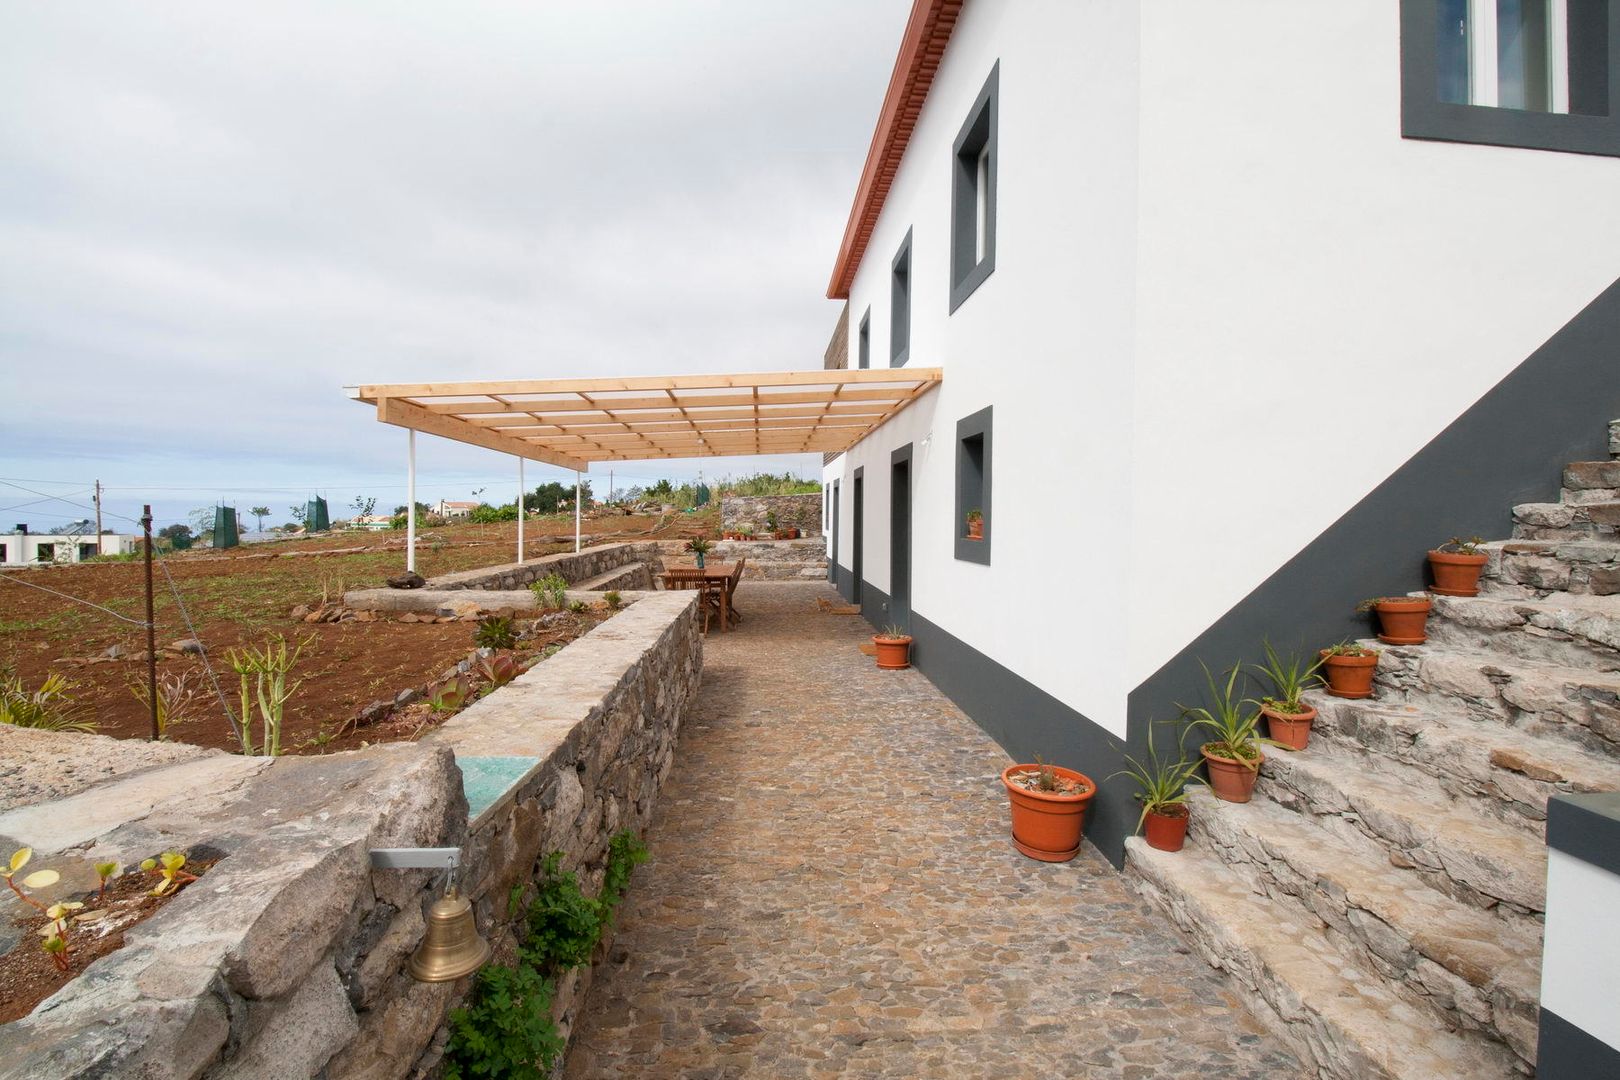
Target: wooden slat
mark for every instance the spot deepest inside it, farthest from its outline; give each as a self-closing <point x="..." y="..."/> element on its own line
<point x="404" y="414"/>
<point x="872" y="412"/>
<point x="509" y="388"/>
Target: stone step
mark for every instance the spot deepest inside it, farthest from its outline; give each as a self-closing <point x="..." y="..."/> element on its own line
<point x="1614" y="438"/>
<point x="1456" y="847"/>
<point x="628" y="577"/>
<point x="1475" y="972"/>
<point x="1341" y="1019"/>
<point x="1579" y="705"/>
<point x="1534" y="568"/>
<point x="1592" y="475"/>
<point x="1551" y="521"/>
<point x="1511" y="772"/>
<point x="1568" y="629"/>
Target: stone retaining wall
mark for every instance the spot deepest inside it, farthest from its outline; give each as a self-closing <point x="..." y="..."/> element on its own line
<point x="768" y="560"/>
<point x="803" y="511"/>
<point x="288" y="958"/>
<point x="574" y="567"/>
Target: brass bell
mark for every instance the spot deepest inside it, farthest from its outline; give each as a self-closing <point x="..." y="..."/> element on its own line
<point x="452" y="947"/>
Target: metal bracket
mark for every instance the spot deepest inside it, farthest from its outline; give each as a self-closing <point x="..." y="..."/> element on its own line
<point x="415" y="858"/>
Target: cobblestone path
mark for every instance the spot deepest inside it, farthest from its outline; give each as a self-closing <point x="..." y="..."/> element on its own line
<point x="832" y="892"/>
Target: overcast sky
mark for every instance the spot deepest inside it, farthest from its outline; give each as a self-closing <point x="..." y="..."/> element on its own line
<point x="213" y="216"/>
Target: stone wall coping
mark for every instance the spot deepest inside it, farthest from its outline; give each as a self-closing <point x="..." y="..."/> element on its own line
<point x="463" y="601"/>
<point x="444" y="580"/>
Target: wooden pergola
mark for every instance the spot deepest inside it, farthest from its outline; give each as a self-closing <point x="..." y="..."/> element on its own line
<point x="572" y="423"/>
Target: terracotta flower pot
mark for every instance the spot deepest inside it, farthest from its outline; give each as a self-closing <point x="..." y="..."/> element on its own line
<point x="893" y="653"/>
<point x="1229" y="778"/>
<point x="976" y="530"/>
<point x="1456" y="574"/>
<point x="1166" y="829"/>
<point x="1402" y="619"/>
<point x="1349" y="676"/>
<point x="1293" y="730"/>
<point x="1045" y="825"/>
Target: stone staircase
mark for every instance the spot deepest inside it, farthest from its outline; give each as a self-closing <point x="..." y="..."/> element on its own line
<point x="1380" y="901"/>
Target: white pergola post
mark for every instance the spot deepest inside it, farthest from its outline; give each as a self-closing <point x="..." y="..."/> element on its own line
<point x="410" y="500"/>
<point x="520" y="511"/>
<point x="576" y="513"/>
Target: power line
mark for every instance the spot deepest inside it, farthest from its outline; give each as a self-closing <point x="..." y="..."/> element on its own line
<point x="30" y="585"/>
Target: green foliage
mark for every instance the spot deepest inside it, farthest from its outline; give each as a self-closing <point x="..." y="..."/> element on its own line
<point x="893" y="632"/>
<point x="171" y="870"/>
<point x="699" y="546"/>
<point x="505" y="1030"/>
<point x="1349" y="648"/>
<point x="496" y="632"/>
<point x="450" y="695"/>
<point x="1459" y="546"/>
<point x="1233" y="727"/>
<point x="1160" y="783"/>
<point x="613" y="600"/>
<point x="975" y="515"/>
<point x="49" y="708"/>
<point x="268" y="668"/>
<point x="551" y="591"/>
<point x="767" y="484"/>
<point x="552" y="496"/>
<point x="578" y="607"/>
<point x="498" y="670"/>
<point x="177" y="699"/>
<point x="485" y="514"/>
<point x="1289" y="676"/>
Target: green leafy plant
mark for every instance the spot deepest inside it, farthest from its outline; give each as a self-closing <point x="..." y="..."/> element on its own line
<point x="699" y="545"/>
<point x="1233" y="727"/>
<point x="1349" y="648"/>
<point x="39" y="879"/>
<point x="55" y="932"/>
<point x="613" y="600"/>
<point x="745" y="531"/>
<point x="498" y="670"/>
<point x="578" y="607"/>
<point x="267" y="669"/>
<point x="177" y="699"/>
<point x="550" y="591"/>
<point x="49" y="708"/>
<point x="1459" y="546"/>
<point x="450" y="695"/>
<point x="171" y="870"/>
<point x="105" y="872"/>
<point x="770" y="520"/>
<point x="496" y="632"/>
<point x="1160" y="783"/>
<point x="1290" y="676"/>
<point x="975" y="515"/>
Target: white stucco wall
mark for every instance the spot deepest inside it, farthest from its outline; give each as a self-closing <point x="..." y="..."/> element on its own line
<point x="1580" y="964"/>
<point x="1318" y="297"/>
<point x="1044" y="339"/>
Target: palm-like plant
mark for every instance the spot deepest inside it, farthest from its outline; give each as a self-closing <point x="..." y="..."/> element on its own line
<point x="50" y="708"/>
<point x="1232" y="725"/>
<point x="1160" y="784"/>
<point x="1290" y="677"/>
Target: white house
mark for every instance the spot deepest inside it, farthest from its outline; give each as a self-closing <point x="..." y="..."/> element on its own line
<point x="1241" y="308"/>
<point x="453" y="509"/>
<point x="23" y="548"/>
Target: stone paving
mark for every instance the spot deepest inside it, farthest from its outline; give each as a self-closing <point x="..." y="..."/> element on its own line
<point x="833" y="893"/>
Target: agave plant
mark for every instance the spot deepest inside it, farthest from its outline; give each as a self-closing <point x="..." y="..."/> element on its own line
<point x="1290" y="677"/>
<point x="1160" y="783"/>
<point x="50" y="708"/>
<point x="1228" y="719"/>
<point x="496" y="632"/>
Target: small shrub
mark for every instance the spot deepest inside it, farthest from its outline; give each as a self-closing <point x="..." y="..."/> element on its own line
<point x="50" y="708"/>
<point x="578" y="607"/>
<point x="551" y="591"/>
<point x="498" y="670"/>
<point x="505" y="1029"/>
<point x="613" y="600"/>
<point x="170" y="868"/>
<point x="496" y="632"/>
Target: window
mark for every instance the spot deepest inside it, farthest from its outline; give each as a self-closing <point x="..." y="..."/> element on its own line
<point x="973" y="195"/>
<point x="864" y="341"/>
<point x="973" y="487"/>
<point x="1530" y="73"/>
<point x="45" y="553"/>
<point x="900" y="305"/>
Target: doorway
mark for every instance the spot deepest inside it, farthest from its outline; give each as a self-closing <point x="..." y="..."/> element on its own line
<point x="858" y="538"/>
<point x="832" y="563"/>
<point x="900" y="538"/>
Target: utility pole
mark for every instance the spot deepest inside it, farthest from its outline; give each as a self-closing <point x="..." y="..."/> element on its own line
<point x="98" y="518"/>
<point x="151" y="625"/>
<point x="610" y="487"/>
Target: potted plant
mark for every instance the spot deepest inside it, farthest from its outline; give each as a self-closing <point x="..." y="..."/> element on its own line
<point x="1048" y="809"/>
<point x="1232" y="753"/>
<point x="1349" y="669"/>
<point x="1457" y="564"/>
<point x="699" y="547"/>
<point x="1401" y="619"/>
<point x="893" y="648"/>
<point x="773" y="527"/>
<point x="975" y="524"/>
<point x="745" y="532"/>
<point x="1288" y="718"/>
<point x="1162" y="791"/>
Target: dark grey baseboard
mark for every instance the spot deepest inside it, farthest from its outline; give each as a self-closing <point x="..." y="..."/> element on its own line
<point x="1566" y="1052"/>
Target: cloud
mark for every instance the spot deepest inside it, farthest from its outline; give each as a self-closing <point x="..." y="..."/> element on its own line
<point x="212" y="217"/>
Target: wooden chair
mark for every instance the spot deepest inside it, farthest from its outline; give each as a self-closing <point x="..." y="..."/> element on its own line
<point x="731" y="584"/>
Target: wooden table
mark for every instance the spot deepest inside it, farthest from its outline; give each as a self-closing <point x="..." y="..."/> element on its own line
<point x="717" y="576"/>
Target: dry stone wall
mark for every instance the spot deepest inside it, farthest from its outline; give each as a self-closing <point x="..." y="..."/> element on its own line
<point x="288" y="958"/>
<point x="576" y="568"/>
<point x="801" y="511"/>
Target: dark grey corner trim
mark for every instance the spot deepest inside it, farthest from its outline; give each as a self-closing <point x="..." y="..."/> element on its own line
<point x="900" y="304"/>
<point x="1565" y="1052"/>
<point x="1595" y="85"/>
<point x="863" y="340"/>
<point x="1587" y="827"/>
<point x="980" y="132"/>
<point x="899" y="454"/>
<point x="979" y="424"/>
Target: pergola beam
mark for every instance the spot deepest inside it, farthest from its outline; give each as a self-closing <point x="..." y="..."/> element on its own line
<point x="404" y="414"/>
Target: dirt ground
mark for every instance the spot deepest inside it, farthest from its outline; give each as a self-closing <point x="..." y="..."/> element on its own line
<point x="244" y="596"/>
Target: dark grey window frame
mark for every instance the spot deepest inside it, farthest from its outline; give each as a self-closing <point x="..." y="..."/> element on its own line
<point x="863" y="341"/>
<point x="900" y="290"/>
<point x="978" y="135"/>
<point x="1594" y="88"/>
<point x="977" y="427"/>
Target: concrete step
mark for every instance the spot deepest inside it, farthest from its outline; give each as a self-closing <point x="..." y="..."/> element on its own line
<point x="1551" y="521"/>
<point x="1567" y="629"/>
<point x="1341" y="1019"/>
<point x="1509" y="771"/>
<point x="1475" y="972"/>
<point x="637" y="575"/>
<point x="1533" y="568"/>
<point x="1579" y="705"/>
<point x="1456" y="847"/>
